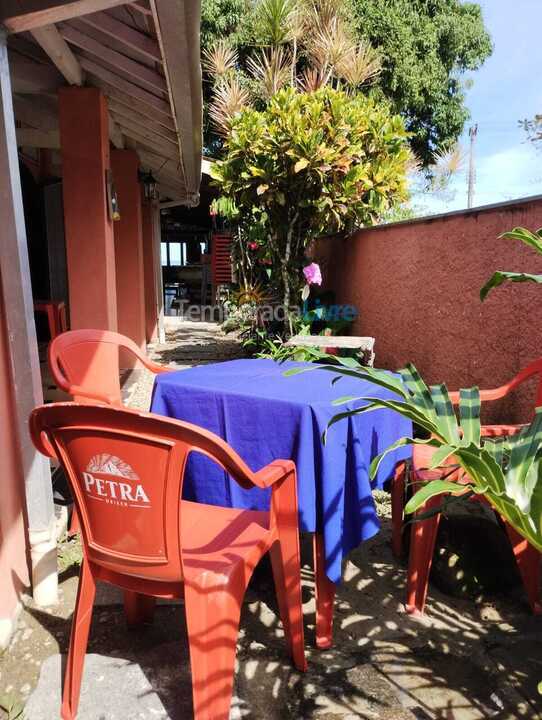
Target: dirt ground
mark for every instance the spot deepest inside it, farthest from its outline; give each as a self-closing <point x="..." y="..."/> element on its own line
<point x="462" y="661"/>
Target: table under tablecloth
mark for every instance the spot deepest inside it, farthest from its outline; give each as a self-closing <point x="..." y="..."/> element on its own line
<point x="266" y="416"/>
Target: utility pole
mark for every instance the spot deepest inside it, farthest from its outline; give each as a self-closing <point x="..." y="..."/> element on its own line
<point x="473" y="132"/>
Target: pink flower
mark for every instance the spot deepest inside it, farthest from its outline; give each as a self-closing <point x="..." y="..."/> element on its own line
<point x="312" y="274"/>
<point x="253" y="246"/>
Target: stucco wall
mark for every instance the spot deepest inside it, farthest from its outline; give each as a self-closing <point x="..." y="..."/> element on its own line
<point x="13" y="561"/>
<point x="416" y="286"/>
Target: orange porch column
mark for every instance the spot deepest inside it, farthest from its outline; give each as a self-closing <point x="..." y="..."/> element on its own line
<point x="149" y="270"/>
<point x="129" y="247"/>
<point x="90" y="250"/>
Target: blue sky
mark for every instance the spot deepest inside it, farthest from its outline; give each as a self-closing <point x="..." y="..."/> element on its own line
<point x="506" y="89"/>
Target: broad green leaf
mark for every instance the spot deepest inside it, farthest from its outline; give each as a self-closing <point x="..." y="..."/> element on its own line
<point x="446" y="502"/>
<point x="531" y="239"/>
<point x="441" y="455"/>
<point x="402" y="442"/>
<point x="432" y="489"/>
<point x="403" y="408"/>
<point x="469" y="415"/>
<point x="444" y="410"/>
<point x="421" y="396"/>
<point x="481" y="468"/>
<point x="501" y="277"/>
<point x="522" y="472"/>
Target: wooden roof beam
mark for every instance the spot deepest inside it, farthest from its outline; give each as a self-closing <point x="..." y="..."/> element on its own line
<point x="115" y="134"/>
<point x="147" y="130"/>
<point x="21" y="15"/>
<point x="111" y="78"/>
<point x="51" y="41"/>
<point x="125" y="34"/>
<point x="41" y="115"/>
<point x="127" y="102"/>
<point x="141" y="74"/>
<point x="29" y="77"/>
<point x="154" y="145"/>
<point x="28" y="137"/>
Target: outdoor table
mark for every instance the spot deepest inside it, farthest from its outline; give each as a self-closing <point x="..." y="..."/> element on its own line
<point x="266" y="416"/>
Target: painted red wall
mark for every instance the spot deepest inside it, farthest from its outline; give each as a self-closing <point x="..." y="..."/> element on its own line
<point x="13" y="546"/>
<point x="416" y="286"/>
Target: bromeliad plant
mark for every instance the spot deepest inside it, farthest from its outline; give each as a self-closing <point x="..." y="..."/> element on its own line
<point x="532" y="239"/>
<point x="507" y="472"/>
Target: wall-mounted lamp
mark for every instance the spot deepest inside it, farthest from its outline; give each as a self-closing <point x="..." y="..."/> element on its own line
<point x="150" y="186"/>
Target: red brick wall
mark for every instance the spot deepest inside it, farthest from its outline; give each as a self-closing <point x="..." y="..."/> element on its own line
<point x="416" y="286"/>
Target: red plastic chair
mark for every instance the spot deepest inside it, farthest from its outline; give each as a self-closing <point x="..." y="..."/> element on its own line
<point x="126" y="472"/>
<point x="56" y="315"/>
<point x="85" y="364"/>
<point x="423" y="533"/>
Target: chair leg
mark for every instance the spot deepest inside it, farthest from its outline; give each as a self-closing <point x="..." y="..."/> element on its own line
<point x="397" y="505"/>
<point x="528" y="562"/>
<point x="325" y="596"/>
<point x="212" y="618"/>
<point x="75" y="525"/>
<point x="422" y="546"/>
<point x="286" y="562"/>
<point x="138" y="608"/>
<point x="82" y="617"/>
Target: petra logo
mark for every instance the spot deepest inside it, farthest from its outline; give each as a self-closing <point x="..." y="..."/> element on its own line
<point x="113" y="491"/>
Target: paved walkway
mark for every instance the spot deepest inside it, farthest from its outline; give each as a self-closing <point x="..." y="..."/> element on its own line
<point x="464" y="661"/>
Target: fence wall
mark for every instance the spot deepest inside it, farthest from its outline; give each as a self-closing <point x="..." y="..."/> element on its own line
<point x="416" y="286"/>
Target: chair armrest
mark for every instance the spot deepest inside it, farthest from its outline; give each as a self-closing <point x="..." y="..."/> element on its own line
<point x="485" y="395"/>
<point x="78" y="391"/>
<point x="155" y="367"/>
<point x="273" y="473"/>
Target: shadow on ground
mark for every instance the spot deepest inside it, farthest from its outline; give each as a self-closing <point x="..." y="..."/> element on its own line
<point x="461" y="662"/>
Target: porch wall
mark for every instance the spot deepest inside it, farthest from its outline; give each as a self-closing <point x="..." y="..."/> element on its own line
<point x="416" y="286"/>
<point x="14" y="574"/>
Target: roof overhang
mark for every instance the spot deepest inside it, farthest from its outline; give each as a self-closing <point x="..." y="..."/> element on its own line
<point x="144" y="56"/>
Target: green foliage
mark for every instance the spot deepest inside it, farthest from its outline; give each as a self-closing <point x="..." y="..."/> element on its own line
<point x="426" y="45"/>
<point x="308" y="164"/>
<point x="220" y="19"/>
<point x="533" y="240"/>
<point x="508" y="472"/>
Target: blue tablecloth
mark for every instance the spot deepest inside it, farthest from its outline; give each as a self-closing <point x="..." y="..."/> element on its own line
<point x="265" y="416"/>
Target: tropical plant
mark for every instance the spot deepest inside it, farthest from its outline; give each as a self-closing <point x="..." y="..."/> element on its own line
<point x="307" y="45"/>
<point x="310" y="164"/>
<point x="426" y="47"/>
<point x="508" y="472"/>
<point x="533" y="240"/>
<point x="423" y="49"/>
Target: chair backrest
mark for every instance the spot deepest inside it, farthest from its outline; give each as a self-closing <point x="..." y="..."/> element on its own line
<point x="533" y="369"/>
<point x="86" y="364"/>
<point x="125" y="470"/>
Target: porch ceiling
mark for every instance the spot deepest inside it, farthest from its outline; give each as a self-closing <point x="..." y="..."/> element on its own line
<point x="143" y="55"/>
